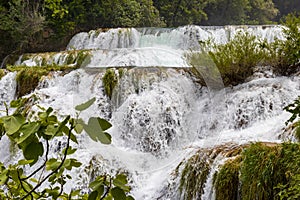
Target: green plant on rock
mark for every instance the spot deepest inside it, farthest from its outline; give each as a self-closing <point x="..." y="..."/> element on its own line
<point x="33" y="137"/>
<point x="289" y="187"/>
<point x="28" y="78"/>
<point x="194" y="176"/>
<point x="2" y="73"/>
<point x="288" y="51"/>
<point x="226" y="180"/>
<point x="260" y="172"/>
<point x="237" y="58"/>
<point x="110" y="80"/>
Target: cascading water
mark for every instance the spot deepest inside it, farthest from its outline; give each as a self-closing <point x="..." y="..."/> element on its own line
<point x="145" y="47"/>
<point x="160" y="116"/>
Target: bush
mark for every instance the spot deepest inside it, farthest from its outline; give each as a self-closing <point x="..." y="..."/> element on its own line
<point x="288" y="51"/>
<point x="237" y="58"/>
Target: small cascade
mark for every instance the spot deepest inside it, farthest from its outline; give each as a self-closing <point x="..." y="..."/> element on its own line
<point x="70" y="58"/>
<point x="8" y="87"/>
<point x="143" y="47"/>
<point x="183" y="38"/>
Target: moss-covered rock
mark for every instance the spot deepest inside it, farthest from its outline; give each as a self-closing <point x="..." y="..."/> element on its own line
<point x="2" y="73"/>
<point x="194" y="176"/>
<point x="261" y="171"/>
<point x="111" y="79"/>
<point x="28" y="77"/>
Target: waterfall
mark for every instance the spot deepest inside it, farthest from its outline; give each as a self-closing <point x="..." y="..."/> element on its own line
<point x="143" y="47"/>
<point x="7" y="89"/>
<point x="161" y="115"/>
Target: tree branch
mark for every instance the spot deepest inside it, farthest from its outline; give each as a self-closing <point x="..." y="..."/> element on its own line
<point x="42" y="166"/>
<point x="54" y="171"/>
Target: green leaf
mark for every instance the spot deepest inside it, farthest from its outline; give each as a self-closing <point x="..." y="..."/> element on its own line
<point x="70" y="151"/>
<point x="51" y="130"/>
<point x="104" y="124"/>
<point x="49" y="110"/>
<point x="73" y="138"/>
<point x="13" y="123"/>
<point x="93" y="195"/>
<point x="24" y="162"/>
<point x="95" y="131"/>
<point x="129" y="198"/>
<point x="34" y="180"/>
<point x="75" y="163"/>
<point x="27" y="130"/>
<point x="85" y="105"/>
<point x="121" y="181"/>
<point x="118" y="193"/>
<point x="95" y="185"/>
<point x="52" y="119"/>
<point x="3" y="176"/>
<point x="79" y="126"/>
<point x="33" y="151"/>
<point x="52" y="164"/>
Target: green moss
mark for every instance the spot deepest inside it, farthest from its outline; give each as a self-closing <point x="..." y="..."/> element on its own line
<point x="71" y="58"/>
<point x="194" y="176"/>
<point x="259" y="171"/>
<point x="226" y="181"/>
<point x="28" y="77"/>
<point x="83" y="58"/>
<point x="2" y="73"/>
<point x="26" y="56"/>
<point x="110" y="80"/>
<point x="270" y="171"/>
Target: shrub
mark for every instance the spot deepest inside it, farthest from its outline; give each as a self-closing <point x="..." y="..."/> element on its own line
<point x="237" y="58"/>
<point x="288" y="51"/>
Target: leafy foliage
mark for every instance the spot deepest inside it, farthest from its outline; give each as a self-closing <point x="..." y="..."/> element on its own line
<point x="33" y="137"/>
